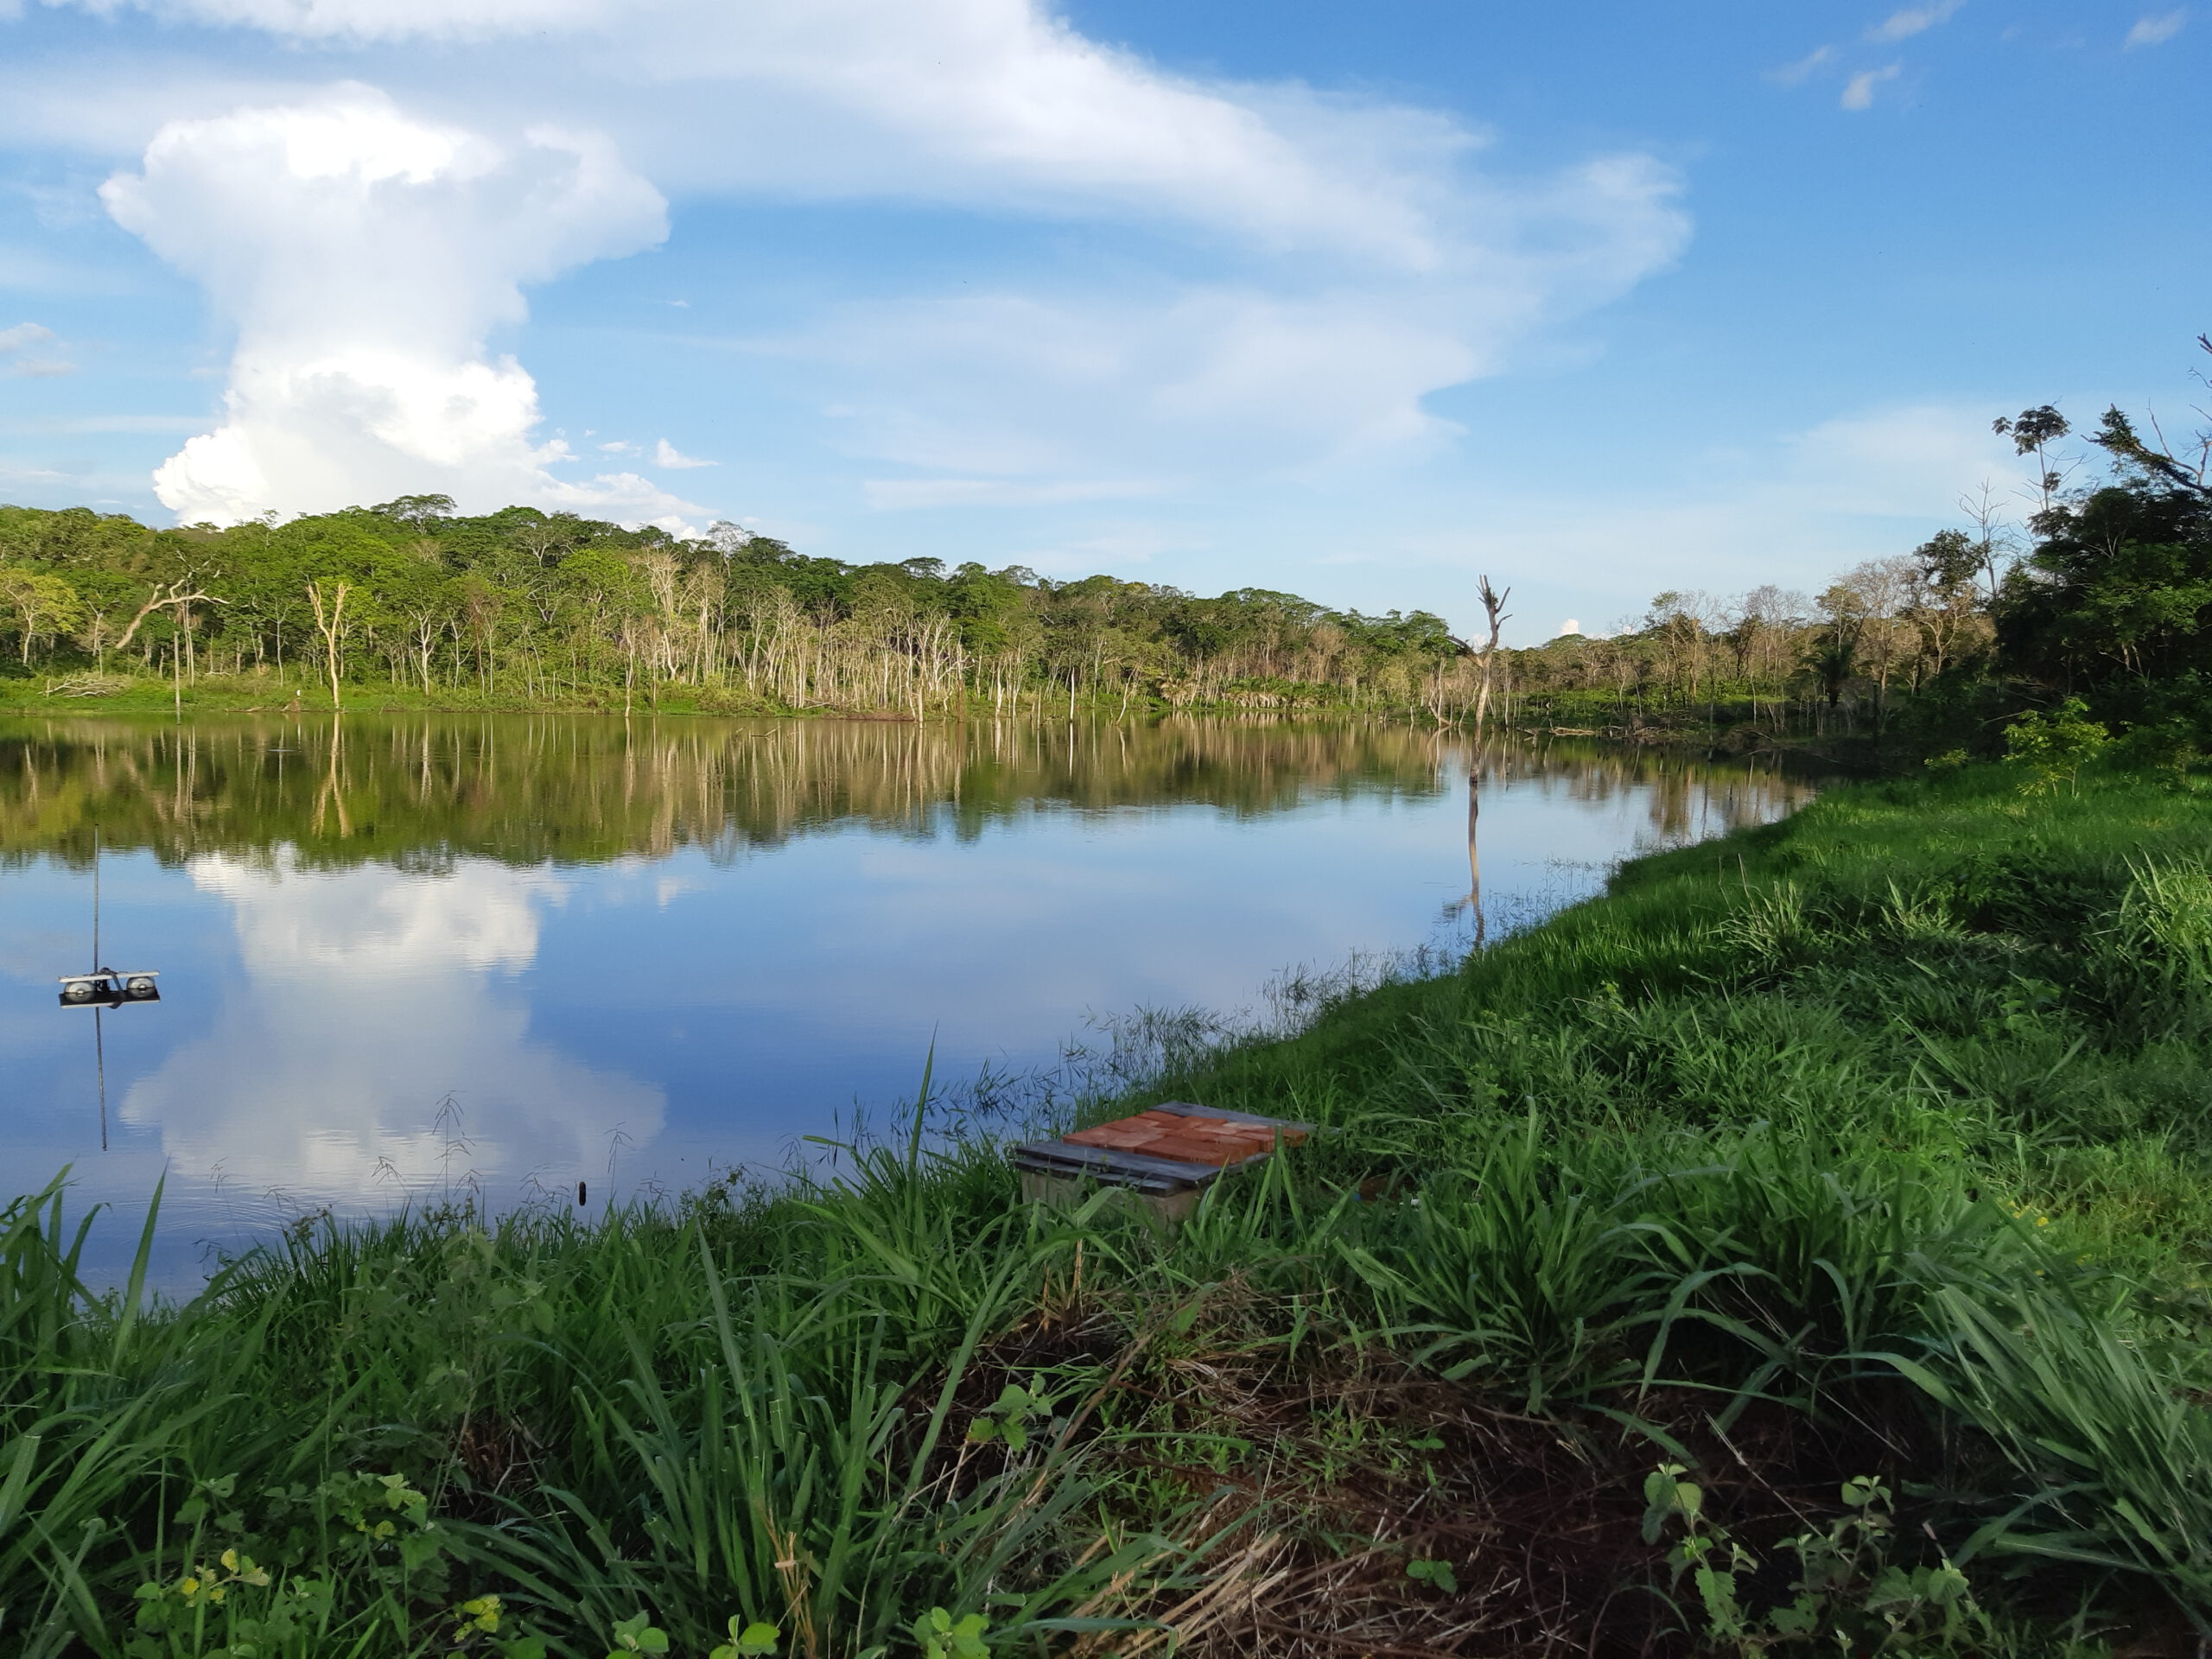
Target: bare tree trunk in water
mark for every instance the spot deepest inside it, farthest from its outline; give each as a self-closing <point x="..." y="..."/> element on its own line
<point x="1474" y="857"/>
<point x="1495" y="614"/>
<point x="1494" y="609"/>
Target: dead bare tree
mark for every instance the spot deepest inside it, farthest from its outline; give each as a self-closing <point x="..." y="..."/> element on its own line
<point x="328" y="621"/>
<point x="1494" y="609"/>
<point x="1495" y="613"/>
<point x="171" y="596"/>
<point x="1994" y="544"/>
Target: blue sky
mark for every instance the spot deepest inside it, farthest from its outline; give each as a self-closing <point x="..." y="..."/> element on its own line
<point x="1353" y="302"/>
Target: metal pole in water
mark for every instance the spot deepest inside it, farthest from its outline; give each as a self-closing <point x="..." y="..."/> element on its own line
<point x="99" y="1051"/>
<point x="96" y="898"/>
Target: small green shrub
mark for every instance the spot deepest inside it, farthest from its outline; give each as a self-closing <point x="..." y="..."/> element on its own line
<point x="2052" y="748"/>
<point x="1849" y="1596"/>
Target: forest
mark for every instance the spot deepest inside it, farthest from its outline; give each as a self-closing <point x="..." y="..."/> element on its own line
<point x="410" y="600"/>
<point x="519" y="608"/>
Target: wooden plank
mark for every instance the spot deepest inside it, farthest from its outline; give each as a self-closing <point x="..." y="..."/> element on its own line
<point x="1150" y="1185"/>
<point x="1125" y="1167"/>
<point x="1183" y="1140"/>
<point x="1145" y="1186"/>
<point x="1062" y="1153"/>
<point x="1184" y="1108"/>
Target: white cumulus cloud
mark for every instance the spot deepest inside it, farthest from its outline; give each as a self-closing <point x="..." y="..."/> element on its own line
<point x="667" y="455"/>
<point x="1907" y="22"/>
<point x="18" y="344"/>
<point x="1859" y="91"/>
<point x="1337" y="259"/>
<point x="996" y="102"/>
<point x="1791" y="75"/>
<point x="1044" y="393"/>
<point x="364" y="256"/>
<point x="2156" y="29"/>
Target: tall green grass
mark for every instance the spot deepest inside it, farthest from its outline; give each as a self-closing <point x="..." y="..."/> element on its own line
<point x="1889" y="1122"/>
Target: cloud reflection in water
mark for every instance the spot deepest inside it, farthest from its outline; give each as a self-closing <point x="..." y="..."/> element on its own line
<point x="373" y="995"/>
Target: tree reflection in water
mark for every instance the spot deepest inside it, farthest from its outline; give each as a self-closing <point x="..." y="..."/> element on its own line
<point x="424" y="790"/>
<point x="694" y="940"/>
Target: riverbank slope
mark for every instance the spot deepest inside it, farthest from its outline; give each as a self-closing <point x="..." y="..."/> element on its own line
<point x="1809" y="1236"/>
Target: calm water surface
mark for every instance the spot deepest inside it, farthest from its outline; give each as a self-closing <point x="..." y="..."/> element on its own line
<point x="421" y="955"/>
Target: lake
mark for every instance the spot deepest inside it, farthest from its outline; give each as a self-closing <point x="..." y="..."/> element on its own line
<point x="423" y="958"/>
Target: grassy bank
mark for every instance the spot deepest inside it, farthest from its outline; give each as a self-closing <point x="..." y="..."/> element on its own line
<point x="149" y="694"/>
<point x="1806" y="1241"/>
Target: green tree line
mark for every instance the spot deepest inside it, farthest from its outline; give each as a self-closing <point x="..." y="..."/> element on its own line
<point x="523" y="607"/>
